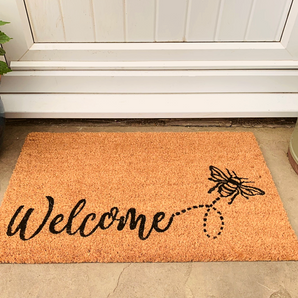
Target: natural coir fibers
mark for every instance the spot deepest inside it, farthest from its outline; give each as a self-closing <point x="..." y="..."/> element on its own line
<point x="143" y="197"/>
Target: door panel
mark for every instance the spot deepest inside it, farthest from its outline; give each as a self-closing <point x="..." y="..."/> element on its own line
<point x="157" y="20"/>
<point x="78" y="20"/>
<point x="42" y="27"/>
<point x="264" y="25"/>
<point x="171" y="20"/>
<point x="109" y="20"/>
<point x="201" y="13"/>
<point x="233" y="18"/>
<point x="140" y="20"/>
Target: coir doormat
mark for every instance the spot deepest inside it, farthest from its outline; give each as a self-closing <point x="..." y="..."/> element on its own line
<point x="143" y="197"/>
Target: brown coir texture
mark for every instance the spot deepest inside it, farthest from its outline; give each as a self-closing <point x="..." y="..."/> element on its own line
<point x="143" y="197"/>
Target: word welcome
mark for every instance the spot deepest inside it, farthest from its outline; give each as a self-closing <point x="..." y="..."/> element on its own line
<point x="105" y="221"/>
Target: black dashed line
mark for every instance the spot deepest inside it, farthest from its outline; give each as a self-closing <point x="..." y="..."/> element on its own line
<point x="205" y="215"/>
<point x="205" y="221"/>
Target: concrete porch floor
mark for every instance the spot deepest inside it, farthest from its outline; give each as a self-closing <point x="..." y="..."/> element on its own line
<point x="202" y="280"/>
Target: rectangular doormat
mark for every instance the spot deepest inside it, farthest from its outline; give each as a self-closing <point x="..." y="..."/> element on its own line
<point x="143" y="197"/>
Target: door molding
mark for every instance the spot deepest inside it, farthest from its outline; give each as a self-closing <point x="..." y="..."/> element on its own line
<point x="23" y="48"/>
<point x="150" y="105"/>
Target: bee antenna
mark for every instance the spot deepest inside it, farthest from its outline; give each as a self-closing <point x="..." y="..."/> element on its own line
<point x="248" y="181"/>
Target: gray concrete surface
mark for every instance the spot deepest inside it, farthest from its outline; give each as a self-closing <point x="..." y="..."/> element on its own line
<point x="202" y="280"/>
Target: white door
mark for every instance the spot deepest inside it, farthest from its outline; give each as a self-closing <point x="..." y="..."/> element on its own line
<point x="151" y="58"/>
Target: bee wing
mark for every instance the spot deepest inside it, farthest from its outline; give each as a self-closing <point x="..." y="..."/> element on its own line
<point x="251" y="191"/>
<point x="217" y="174"/>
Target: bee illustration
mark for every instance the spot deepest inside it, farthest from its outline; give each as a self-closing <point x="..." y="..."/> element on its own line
<point x="231" y="185"/>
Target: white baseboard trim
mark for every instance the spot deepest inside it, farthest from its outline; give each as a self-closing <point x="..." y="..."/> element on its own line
<point x="150" y="82"/>
<point x="150" y="105"/>
<point x="150" y="94"/>
<point x="151" y="65"/>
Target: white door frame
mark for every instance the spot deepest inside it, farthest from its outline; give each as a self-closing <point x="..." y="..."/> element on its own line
<point x="120" y="80"/>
